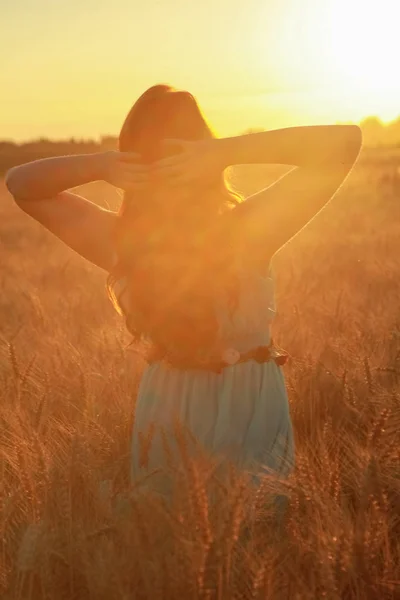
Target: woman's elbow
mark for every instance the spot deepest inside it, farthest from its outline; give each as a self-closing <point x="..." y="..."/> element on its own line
<point x="352" y="143"/>
<point x="10" y="181"/>
<point x="13" y="184"/>
<point x="342" y="144"/>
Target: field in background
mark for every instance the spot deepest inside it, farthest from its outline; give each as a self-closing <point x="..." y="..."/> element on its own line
<point x="68" y="528"/>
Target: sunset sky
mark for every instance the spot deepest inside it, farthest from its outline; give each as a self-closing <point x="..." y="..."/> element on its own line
<point x="73" y="68"/>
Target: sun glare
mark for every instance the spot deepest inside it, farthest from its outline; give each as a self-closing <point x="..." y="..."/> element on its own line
<point x="343" y="54"/>
<point x="361" y="50"/>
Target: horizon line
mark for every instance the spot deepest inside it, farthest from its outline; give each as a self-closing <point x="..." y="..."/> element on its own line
<point x="98" y="139"/>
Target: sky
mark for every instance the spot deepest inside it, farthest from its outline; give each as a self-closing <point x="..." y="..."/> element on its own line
<point x="74" y="68"/>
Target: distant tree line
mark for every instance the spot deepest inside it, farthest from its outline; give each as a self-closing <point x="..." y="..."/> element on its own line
<point x="375" y="134"/>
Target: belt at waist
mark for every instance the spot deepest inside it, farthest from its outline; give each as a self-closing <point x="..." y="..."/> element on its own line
<point x="231" y="357"/>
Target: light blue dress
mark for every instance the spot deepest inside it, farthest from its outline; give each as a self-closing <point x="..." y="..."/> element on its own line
<point x="241" y="414"/>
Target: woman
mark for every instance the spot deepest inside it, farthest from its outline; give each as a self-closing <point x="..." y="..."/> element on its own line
<point x="189" y="265"/>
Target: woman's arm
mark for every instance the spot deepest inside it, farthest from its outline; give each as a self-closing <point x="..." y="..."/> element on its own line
<point x="45" y="178"/>
<point x="40" y="189"/>
<point x="313" y="146"/>
<point x="323" y="156"/>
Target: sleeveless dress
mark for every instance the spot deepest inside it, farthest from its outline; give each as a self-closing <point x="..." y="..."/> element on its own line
<point x="241" y="414"/>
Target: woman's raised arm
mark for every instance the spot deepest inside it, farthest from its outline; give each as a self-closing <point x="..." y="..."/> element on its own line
<point x="40" y="189"/>
<point x="323" y="157"/>
<point x="310" y="146"/>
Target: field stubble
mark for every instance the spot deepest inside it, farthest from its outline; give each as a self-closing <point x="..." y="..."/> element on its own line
<point x="69" y="527"/>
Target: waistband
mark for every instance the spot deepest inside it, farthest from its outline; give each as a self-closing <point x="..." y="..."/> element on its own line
<point x="231" y="356"/>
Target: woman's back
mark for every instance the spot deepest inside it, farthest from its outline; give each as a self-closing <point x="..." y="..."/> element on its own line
<point x="248" y="325"/>
<point x="240" y="413"/>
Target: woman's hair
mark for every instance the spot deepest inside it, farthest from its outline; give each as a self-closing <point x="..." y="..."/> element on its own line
<point x="169" y="245"/>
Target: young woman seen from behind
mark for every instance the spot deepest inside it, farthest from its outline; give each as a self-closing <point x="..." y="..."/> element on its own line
<point x="189" y="265"/>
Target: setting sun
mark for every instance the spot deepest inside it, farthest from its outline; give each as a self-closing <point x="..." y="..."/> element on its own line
<point x="359" y="50"/>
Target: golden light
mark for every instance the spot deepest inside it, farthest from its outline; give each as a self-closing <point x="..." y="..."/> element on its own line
<point x="342" y="55"/>
<point x="360" y="48"/>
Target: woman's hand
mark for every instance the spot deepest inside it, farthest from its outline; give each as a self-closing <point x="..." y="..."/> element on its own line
<point x="196" y="162"/>
<point x="124" y="170"/>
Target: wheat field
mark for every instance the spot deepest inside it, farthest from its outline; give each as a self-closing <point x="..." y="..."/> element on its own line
<point x="71" y="527"/>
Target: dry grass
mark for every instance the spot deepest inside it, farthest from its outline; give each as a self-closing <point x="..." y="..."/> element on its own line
<point x="69" y="526"/>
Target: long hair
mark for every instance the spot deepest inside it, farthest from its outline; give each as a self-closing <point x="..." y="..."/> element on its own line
<point x="169" y="246"/>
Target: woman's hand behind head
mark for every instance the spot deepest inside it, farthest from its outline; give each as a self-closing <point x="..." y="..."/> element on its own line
<point x="195" y="162"/>
<point x="125" y="170"/>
